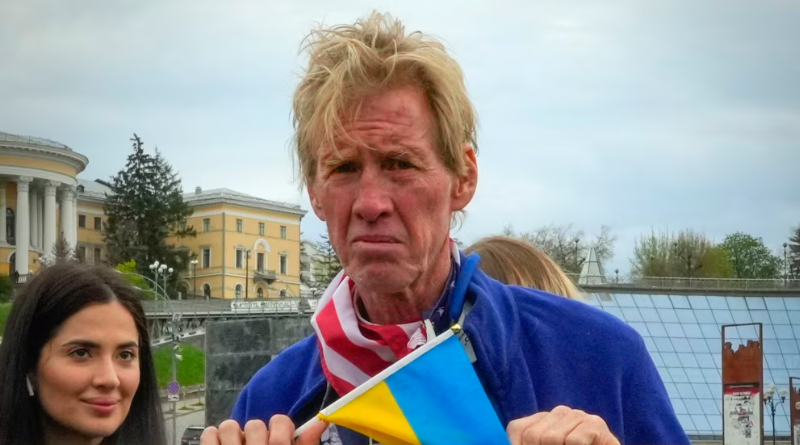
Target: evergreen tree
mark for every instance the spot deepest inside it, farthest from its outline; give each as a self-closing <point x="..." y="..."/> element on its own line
<point x="62" y="250"/>
<point x="793" y="257"/>
<point x="144" y="209"/>
<point x="329" y="263"/>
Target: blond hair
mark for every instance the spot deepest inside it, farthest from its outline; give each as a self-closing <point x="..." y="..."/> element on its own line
<point x="349" y="62"/>
<point x="516" y="262"/>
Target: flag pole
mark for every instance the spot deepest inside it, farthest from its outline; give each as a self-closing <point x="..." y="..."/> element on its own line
<point x="314" y="420"/>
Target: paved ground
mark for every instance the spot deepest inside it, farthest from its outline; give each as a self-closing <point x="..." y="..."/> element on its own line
<point x="189" y="413"/>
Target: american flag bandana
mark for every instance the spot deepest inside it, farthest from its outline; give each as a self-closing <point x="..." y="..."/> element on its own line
<point x="352" y="349"/>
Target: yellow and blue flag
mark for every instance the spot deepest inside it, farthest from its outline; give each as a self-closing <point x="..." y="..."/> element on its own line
<point x="430" y="397"/>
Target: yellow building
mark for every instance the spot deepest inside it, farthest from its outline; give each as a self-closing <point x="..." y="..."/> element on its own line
<point x="38" y="179"/>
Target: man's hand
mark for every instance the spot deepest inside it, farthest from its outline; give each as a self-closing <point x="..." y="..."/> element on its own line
<point x="280" y="432"/>
<point x="561" y="426"/>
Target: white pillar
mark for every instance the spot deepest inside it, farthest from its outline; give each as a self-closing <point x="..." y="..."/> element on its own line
<point x="22" y="219"/>
<point x="49" y="216"/>
<point x="3" y="213"/>
<point x="40" y="215"/>
<point x="36" y="241"/>
<point x="67" y="200"/>
<point x="74" y="223"/>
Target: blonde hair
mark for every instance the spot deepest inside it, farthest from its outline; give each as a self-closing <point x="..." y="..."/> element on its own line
<point x="349" y="62"/>
<point x="516" y="262"/>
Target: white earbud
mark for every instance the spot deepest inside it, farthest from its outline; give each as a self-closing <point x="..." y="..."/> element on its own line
<point x="30" y="386"/>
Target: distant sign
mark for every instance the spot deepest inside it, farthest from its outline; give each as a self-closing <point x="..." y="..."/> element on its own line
<point x="276" y="307"/>
<point x="173" y="398"/>
<point x="312" y="302"/>
<point x="173" y="387"/>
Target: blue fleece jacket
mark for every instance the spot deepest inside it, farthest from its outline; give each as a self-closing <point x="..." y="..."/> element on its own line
<point x="534" y="351"/>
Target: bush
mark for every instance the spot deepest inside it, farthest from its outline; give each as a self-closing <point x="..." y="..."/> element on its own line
<point x="6" y="288"/>
<point x="191" y="369"/>
<point x="5" y="309"/>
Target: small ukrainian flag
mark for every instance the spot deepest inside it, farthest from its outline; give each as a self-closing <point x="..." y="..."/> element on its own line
<point x="430" y="397"/>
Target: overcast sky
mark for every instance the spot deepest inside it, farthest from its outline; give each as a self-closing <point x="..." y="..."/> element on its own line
<point x="660" y="114"/>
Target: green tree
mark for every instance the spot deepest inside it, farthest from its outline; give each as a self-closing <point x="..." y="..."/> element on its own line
<point x="567" y="246"/>
<point x="749" y="257"/>
<point x="144" y="209"/>
<point x="328" y="262"/>
<point x="131" y="274"/>
<point x="793" y="256"/>
<point x="684" y="254"/>
<point x="652" y="255"/>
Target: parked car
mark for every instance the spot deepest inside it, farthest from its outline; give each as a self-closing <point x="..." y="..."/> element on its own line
<point x="192" y="435"/>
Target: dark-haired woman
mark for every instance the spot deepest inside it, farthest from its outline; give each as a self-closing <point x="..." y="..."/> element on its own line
<point x="75" y="363"/>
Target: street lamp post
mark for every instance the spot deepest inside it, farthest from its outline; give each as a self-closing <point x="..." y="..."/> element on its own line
<point x="771" y="403"/>
<point x="785" y="264"/>
<point x="194" y="276"/>
<point x="164" y="271"/>
<point x="577" y="261"/>
<point x="246" y="273"/>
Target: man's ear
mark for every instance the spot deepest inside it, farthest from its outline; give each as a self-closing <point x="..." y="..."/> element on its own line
<point x="315" y="204"/>
<point x="464" y="185"/>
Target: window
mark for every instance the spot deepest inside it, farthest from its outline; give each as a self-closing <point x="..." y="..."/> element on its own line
<point x="239" y="256"/>
<point x="206" y="225"/>
<point x="81" y="253"/>
<point x="10" y="226"/>
<point x="97" y="256"/>
<point x="98" y="223"/>
<point x="82" y="221"/>
<point x="239" y="225"/>
<point x="260" y="292"/>
<point x="282" y="293"/>
<point x="206" y="254"/>
<point x="261" y="229"/>
<point x="284" y="265"/>
<point x="260" y="261"/>
<point x="238" y="290"/>
<point x="283" y="232"/>
<point x="206" y="290"/>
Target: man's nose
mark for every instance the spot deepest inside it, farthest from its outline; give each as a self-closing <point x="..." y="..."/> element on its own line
<point x="373" y="195"/>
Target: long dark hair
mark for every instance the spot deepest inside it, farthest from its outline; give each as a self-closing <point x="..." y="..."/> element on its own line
<point x="52" y="297"/>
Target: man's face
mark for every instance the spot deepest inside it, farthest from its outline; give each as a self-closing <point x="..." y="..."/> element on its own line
<point x="386" y="195"/>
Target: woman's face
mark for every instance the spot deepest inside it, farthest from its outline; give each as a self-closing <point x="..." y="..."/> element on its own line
<point x="88" y="372"/>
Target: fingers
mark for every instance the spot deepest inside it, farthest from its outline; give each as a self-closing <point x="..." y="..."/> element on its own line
<point x="313" y="434"/>
<point x="230" y="433"/>
<point x="281" y="430"/>
<point x="591" y="431"/>
<point x="561" y="426"/>
<point x="255" y="433"/>
<point x="210" y="436"/>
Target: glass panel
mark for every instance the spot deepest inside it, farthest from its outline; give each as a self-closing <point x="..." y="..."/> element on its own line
<point x="649" y="314"/>
<point x="671" y="359"/>
<point x="625" y="300"/>
<point x="792" y="303"/>
<point x="780" y="377"/>
<point x="775" y="362"/>
<point x="615" y="311"/>
<point x="796" y="329"/>
<point x="794" y="317"/>
<point x="705" y="361"/>
<point x="688" y="361"/>
<point x="665" y="376"/>
<point x="672" y="391"/>
<point x="717" y="361"/>
<point x="663" y="344"/>
<point x="668" y="315"/>
<point x="686" y="423"/>
<point x="681" y="344"/>
<point x="650" y="344"/>
<point x="710" y="331"/>
<point x="695" y="375"/>
<point x="769" y="331"/>
<point x="702" y="390"/>
<point x="657" y="360"/>
<point x="712" y="376"/>
<point x="717" y="303"/>
<point x="608" y="302"/>
<point x="792" y="362"/>
<point x="760" y="317"/>
<point x="698" y="302"/>
<point x="678" y="406"/>
<point x="755" y="303"/>
<point x="698" y="345"/>
<point x="656" y="329"/>
<point x="775" y="303"/>
<point x="714" y="344"/>
<point x="631" y="314"/>
<point x="716" y="423"/>
<point x="678" y="375"/>
<point x="674" y="330"/>
<point x="783" y="331"/>
<point x="693" y="406"/>
<point x="741" y="317"/>
<point x="709" y="407"/>
<point x="701" y="423"/>
<point x="680" y="301"/>
<point x="723" y="317"/>
<point x="642" y="300"/>
<point x="705" y="316"/>
<point x="779" y="317"/>
<point x="685" y="390"/>
<point x="640" y="328"/>
<point x="782" y="425"/>
<point x="771" y="346"/>
<point x="686" y="315"/>
<point x="661" y="301"/>
<point x="692" y="330"/>
<point x="736" y="302"/>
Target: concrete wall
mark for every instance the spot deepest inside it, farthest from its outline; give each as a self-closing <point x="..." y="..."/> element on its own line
<point x="237" y="349"/>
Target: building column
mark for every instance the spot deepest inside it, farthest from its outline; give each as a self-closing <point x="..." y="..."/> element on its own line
<point x="67" y="200"/>
<point x="49" y="216"/>
<point x="40" y="214"/>
<point x="3" y="239"/>
<point x="36" y="241"/>
<point x="74" y="223"/>
<point x="22" y="219"/>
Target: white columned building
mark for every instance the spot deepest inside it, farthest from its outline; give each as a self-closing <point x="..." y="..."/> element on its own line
<point x="32" y="172"/>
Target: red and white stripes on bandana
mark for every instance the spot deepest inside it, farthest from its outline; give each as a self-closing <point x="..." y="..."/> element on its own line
<point x="352" y="349"/>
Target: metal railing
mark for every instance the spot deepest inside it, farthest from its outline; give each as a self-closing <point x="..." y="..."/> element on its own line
<point x="232" y="307"/>
<point x="682" y="283"/>
<point x="31" y="140"/>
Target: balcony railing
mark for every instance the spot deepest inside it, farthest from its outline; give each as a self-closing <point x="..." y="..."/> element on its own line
<point x="267" y="276"/>
<point x="685" y="283"/>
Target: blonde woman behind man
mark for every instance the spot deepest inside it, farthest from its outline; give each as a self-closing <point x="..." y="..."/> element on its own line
<point x="513" y="261"/>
